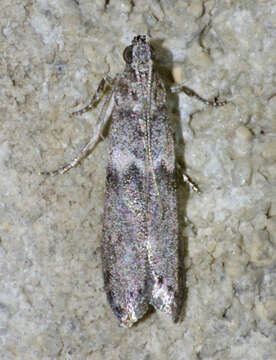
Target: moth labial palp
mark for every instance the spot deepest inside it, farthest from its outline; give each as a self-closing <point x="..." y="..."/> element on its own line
<point x="140" y="249"/>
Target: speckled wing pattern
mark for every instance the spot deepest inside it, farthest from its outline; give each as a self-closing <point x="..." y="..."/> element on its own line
<point x="140" y="230"/>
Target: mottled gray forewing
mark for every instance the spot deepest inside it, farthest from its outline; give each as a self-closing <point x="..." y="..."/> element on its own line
<point x="163" y="246"/>
<point x="140" y="242"/>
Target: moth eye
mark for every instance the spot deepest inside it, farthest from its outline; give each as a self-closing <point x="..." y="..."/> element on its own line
<point x="127" y="55"/>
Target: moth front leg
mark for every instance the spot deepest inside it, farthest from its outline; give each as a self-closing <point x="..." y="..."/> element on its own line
<point x="99" y="92"/>
<point x="215" y="102"/>
<point x="103" y="118"/>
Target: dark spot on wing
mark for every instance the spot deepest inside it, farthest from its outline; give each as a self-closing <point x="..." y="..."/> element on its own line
<point x="106" y="276"/>
<point x="163" y="174"/>
<point x="160" y="280"/>
<point x="133" y="176"/>
<point x="112" y="178"/>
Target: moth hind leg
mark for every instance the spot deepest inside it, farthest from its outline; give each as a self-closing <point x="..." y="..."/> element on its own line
<point x="186" y="178"/>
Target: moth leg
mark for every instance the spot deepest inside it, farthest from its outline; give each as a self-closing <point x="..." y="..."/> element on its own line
<point x="102" y="121"/>
<point x="99" y="92"/>
<point x="186" y="178"/>
<point x="215" y="102"/>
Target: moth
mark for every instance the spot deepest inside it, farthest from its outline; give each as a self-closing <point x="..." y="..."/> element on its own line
<point x="140" y="245"/>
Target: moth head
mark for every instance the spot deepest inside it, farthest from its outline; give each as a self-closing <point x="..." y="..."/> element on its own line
<point x="139" y="54"/>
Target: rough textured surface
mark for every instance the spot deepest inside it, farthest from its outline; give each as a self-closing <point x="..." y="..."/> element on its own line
<point x="53" y="55"/>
